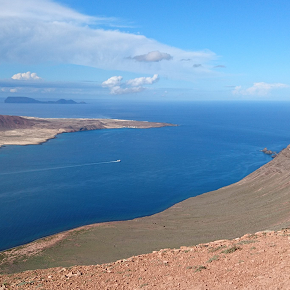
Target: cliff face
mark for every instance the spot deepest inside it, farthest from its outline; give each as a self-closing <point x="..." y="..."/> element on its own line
<point x="14" y="122"/>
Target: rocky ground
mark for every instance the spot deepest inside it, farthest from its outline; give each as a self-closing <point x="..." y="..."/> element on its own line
<point x="254" y="261"/>
<point x="14" y="122"/>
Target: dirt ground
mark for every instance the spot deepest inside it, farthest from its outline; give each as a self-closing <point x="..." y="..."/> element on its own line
<point x="254" y="261"/>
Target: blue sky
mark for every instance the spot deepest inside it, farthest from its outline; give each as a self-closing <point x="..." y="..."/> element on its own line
<point x="187" y="50"/>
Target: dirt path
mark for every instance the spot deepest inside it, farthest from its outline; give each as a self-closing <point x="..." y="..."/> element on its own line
<point x="258" y="261"/>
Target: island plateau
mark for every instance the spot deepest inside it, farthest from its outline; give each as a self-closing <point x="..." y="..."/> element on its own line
<point x="26" y="100"/>
<point x="15" y="130"/>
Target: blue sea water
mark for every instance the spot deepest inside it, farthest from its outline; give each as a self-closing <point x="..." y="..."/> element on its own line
<point x="70" y="181"/>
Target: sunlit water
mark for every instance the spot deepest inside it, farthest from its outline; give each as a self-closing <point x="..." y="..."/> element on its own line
<point x="75" y="180"/>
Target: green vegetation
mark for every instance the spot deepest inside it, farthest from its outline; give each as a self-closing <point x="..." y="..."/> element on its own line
<point x="211" y="250"/>
<point x="246" y="242"/>
<point x="199" y="268"/>
<point x="214" y="258"/>
<point x="231" y="249"/>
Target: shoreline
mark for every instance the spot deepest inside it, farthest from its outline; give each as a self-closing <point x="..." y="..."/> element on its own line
<point x="260" y="201"/>
<point x="15" y="130"/>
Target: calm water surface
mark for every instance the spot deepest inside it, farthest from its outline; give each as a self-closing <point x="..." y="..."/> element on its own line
<point x="70" y="181"/>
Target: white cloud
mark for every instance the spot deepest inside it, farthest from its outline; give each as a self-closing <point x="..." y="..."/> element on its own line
<point x="261" y="89"/>
<point x="129" y="87"/>
<point x="41" y="31"/>
<point x="118" y="90"/>
<point x="153" y="56"/>
<point x="143" y="81"/>
<point x="113" y="81"/>
<point x="28" y="76"/>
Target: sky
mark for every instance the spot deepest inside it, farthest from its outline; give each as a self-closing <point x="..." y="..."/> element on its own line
<point x="155" y="50"/>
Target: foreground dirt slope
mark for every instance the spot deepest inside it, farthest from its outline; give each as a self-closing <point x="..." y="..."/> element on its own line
<point x="254" y="261"/>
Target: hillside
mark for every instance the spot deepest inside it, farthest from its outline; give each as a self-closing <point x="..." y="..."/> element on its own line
<point x="14" y="122"/>
<point x="257" y="261"/>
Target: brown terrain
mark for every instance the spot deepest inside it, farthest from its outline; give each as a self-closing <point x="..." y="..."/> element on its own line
<point x="259" y="202"/>
<point x="256" y="261"/>
<point x="14" y="122"/>
<point x="16" y="130"/>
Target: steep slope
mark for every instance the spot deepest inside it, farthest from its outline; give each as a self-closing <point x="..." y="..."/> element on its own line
<point x="258" y="261"/>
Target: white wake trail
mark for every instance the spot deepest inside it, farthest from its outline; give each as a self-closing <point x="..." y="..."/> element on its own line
<point x="60" y="167"/>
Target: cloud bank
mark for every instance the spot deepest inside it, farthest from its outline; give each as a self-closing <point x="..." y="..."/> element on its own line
<point x="41" y="31"/>
<point x="27" y="83"/>
<point x="260" y="89"/>
<point x="129" y="87"/>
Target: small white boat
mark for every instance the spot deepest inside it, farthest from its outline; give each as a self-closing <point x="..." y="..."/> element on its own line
<point x="118" y="160"/>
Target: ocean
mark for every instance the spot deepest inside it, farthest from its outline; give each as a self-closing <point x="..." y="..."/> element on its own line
<point x="72" y="180"/>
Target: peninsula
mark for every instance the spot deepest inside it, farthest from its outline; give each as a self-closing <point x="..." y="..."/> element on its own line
<point x="15" y="130"/>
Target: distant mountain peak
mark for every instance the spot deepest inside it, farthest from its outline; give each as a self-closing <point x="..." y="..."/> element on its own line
<point x="27" y="100"/>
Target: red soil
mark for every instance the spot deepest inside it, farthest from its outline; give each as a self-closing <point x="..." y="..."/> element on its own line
<point x="259" y="261"/>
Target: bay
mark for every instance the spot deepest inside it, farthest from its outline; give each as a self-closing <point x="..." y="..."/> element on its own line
<point x="70" y="181"/>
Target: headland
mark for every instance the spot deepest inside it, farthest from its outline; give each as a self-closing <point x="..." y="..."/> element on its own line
<point x="16" y="130"/>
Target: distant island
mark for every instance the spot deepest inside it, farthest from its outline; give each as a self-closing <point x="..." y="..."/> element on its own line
<point x="27" y="100"/>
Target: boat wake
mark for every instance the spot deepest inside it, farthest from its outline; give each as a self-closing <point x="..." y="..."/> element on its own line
<point x="60" y="167"/>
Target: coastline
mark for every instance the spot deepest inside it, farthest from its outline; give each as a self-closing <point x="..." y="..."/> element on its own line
<point x="260" y="201"/>
<point x="34" y="131"/>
